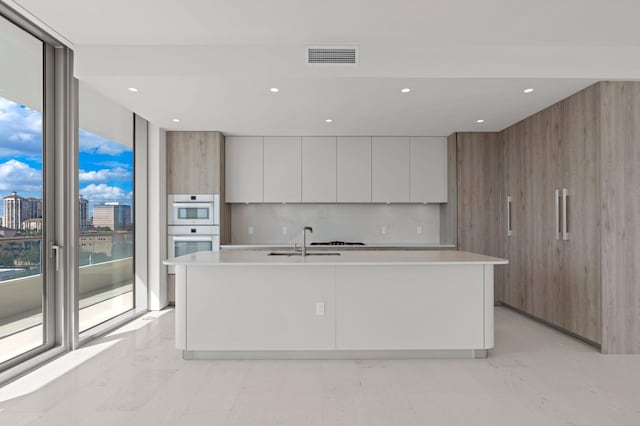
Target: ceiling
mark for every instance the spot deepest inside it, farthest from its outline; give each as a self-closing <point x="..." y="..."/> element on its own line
<point x="211" y="63"/>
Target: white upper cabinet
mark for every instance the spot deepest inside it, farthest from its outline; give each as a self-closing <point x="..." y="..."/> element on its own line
<point x="243" y="169"/>
<point x="354" y="170"/>
<point x="282" y="169"/>
<point x="428" y="170"/>
<point x="319" y="169"/>
<point x="359" y="169"/>
<point x="391" y="175"/>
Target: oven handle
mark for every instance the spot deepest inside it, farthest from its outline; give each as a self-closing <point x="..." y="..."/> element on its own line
<point x="193" y="205"/>
<point x="192" y="238"/>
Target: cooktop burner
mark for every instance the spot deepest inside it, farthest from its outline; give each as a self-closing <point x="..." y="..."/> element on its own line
<point x="336" y="243"/>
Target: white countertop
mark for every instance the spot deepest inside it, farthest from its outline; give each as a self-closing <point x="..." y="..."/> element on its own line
<point x="368" y="246"/>
<point x="349" y="257"/>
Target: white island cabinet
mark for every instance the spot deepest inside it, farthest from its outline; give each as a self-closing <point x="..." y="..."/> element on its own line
<point x="359" y="304"/>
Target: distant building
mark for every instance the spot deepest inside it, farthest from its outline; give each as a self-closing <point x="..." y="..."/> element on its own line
<point x="13" y="205"/>
<point x="83" y="206"/>
<point x="32" y="208"/>
<point x="114" y="216"/>
<point x="18" y="209"/>
<point x="7" y="232"/>
<point x="33" y="224"/>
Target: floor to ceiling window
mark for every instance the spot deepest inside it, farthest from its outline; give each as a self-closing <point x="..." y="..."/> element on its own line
<point x="106" y="216"/>
<point x="25" y="302"/>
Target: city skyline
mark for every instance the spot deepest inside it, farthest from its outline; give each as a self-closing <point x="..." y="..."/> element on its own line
<point x="106" y="167"/>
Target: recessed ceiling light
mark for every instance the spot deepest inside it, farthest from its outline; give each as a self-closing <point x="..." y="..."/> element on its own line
<point x="328" y="120"/>
<point x="529" y="90"/>
<point x="176" y="120"/>
<point x="132" y="89"/>
<point x="480" y="121"/>
<point x="406" y="90"/>
<point x="274" y="90"/>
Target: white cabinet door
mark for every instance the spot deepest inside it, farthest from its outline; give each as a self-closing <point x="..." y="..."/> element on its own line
<point x="243" y="169"/>
<point x="259" y="308"/>
<point x="410" y="307"/>
<point x="390" y="172"/>
<point x="282" y="169"/>
<point x="428" y="170"/>
<point x="319" y="169"/>
<point x="354" y="170"/>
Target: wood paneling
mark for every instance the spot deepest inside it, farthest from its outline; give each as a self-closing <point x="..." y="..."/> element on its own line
<point x="449" y="210"/>
<point x="554" y="280"/>
<point x="477" y="157"/>
<point x="579" y="311"/>
<point x="620" y="207"/>
<point x="193" y="164"/>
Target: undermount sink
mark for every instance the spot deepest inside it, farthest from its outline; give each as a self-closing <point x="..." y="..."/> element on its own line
<point x="298" y="253"/>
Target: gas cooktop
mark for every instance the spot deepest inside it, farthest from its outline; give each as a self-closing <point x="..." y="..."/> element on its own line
<point x="336" y="243"/>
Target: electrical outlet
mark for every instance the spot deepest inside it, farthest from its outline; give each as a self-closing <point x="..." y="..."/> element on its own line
<point x="284" y="230"/>
<point x="250" y="230"/>
<point x="320" y="309"/>
<point x="419" y="230"/>
<point x="383" y="230"/>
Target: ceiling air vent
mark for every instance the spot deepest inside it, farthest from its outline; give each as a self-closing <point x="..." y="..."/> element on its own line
<point x="332" y="55"/>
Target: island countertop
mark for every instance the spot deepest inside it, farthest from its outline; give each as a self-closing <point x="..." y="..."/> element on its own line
<point x="347" y="257"/>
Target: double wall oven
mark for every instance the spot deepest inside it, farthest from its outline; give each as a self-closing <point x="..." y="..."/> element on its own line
<point x="194" y="224"/>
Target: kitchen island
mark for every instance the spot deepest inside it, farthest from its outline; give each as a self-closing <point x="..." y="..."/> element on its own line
<point x="356" y="304"/>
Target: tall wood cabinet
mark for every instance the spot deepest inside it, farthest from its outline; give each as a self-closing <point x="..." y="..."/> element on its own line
<point x="565" y="212"/>
<point x="196" y="165"/>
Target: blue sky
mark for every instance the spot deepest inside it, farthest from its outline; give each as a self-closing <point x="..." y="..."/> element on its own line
<point x="106" y="167"/>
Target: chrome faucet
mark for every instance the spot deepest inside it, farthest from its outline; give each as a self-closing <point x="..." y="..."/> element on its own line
<point x="304" y="239"/>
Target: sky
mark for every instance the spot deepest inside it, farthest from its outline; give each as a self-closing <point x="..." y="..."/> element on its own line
<point x="106" y="167"/>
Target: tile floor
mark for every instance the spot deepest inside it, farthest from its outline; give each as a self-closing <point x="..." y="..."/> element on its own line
<point x="535" y="376"/>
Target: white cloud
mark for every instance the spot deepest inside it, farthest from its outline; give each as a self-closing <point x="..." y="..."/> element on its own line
<point x="21" y="130"/>
<point x="23" y="137"/>
<point x="103" y="193"/>
<point x="118" y="173"/>
<point x="96" y="144"/>
<point x="20" y="177"/>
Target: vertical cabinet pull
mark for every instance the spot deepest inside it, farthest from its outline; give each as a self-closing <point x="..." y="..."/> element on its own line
<point x="565" y="225"/>
<point x="509" y="231"/>
<point x="557" y="229"/>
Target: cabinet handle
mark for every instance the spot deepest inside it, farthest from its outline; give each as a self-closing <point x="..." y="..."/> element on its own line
<point x="565" y="223"/>
<point x="557" y="214"/>
<point x="509" y="231"/>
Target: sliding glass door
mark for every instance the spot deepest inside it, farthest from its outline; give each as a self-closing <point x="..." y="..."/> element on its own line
<point x="26" y="269"/>
<point x="106" y="276"/>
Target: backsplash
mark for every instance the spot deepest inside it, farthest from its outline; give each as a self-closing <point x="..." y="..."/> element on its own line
<point x="368" y="223"/>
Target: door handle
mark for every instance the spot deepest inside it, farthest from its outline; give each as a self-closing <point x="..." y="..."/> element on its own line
<point x="509" y="230"/>
<point x="55" y="251"/>
<point x="565" y="220"/>
<point x="557" y="214"/>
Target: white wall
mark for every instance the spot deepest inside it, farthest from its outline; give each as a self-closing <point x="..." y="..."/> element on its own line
<point x="157" y="218"/>
<point x="141" y="212"/>
<point x="345" y="222"/>
<point x="21" y="70"/>
<point x="103" y="117"/>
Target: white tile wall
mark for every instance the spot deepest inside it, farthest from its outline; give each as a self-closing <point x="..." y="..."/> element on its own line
<point x="345" y="222"/>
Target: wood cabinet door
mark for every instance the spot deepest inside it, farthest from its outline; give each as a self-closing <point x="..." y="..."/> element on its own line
<point x="544" y="263"/>
<point x="580" y="151"/>
<point x="513" y="292"/>
<point x="193" y="163"/>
